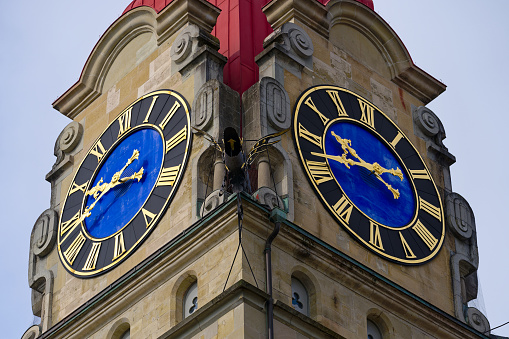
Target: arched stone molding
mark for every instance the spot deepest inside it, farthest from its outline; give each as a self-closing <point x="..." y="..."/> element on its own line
<point x="40" y="279"/>
<point x="312" y="286"/>
<point x="118" y="328"/>
<point x="400" y="66"/>
<point x="33" y="332"/>
<point x="381" y="320"/>
<point x="178" y="293"/>
<point x="127" y="28"/>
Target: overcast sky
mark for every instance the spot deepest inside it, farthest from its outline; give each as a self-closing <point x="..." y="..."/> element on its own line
<point x="44" y="45"/>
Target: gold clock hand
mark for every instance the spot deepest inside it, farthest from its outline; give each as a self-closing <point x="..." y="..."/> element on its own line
<point x="115" y="180"/>
<point x="373" y="168"/>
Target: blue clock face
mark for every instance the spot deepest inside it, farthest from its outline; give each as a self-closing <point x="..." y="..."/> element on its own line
<point x="116" y="208"/>
<point x="368" y="175"/>
<point x="125" y="183"/>
<point x="362" y="185"/>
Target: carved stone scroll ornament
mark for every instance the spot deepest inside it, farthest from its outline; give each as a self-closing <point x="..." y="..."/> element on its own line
<point x="294" y="42"/>
<point x="204" y="105"/>
<point x="478" y="320"/>
<point x="40" y="279"/>
<point x="460" y="217"/>
<point x="183" y="44"/>
<point x="212" y="201"/>
<point x="268" y="197"/>
<point x="44" y="233"/>
<point x="66" y="142"/>
<point x="32" y="332"/>
<point x="431" y="129"/>
<point x="275" y="104"/>
<point x="191" y="43"/>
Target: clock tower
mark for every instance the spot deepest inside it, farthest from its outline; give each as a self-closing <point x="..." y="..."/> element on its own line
<point x="241" y="169"/>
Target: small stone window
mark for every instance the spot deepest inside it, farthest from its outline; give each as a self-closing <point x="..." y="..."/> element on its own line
<point x="300" y="297"/>
<point x="373" y="331"/>
<point x="191" y="300"/>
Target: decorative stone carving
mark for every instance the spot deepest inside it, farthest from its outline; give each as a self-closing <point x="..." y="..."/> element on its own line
<point x="195" y="47"/>
<point x="294" y="42"/>
<point x="460" y="217"/>
<point x="40" y="279"/>
<point x="66" y="143"/>
<point x="275" y="104"/>
<point x="183" y="44"/>
<point x="268" y="197"/>
<point x="204" y="105"/>
<point x="212" y="201"/>
<point x="70" y="137"/>
<point x="462" y="267"/>
<point x="478" y="321"/>
<point x="427" y="121"/>
<point x="299" y="40"/>
<point x="44" y="233"/>
<point x="32" y="332"/>
<point x="430" y="128"/>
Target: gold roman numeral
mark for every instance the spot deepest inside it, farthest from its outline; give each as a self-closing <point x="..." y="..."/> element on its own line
<point x="168" y="116"/>
<point x="397" y="138"/>
<point x="368" y="113"/>
<point x="75" y="188"/>
<point x="425" y="235"/>
<point x="150" y="109"/>
<point x="176" y="139"/>
<point x="119" y="246"/>
<point x="334" y="95"/>
<point x="74" y="249"/>
<point x="419" y="174"/>
<point x="431" y="209"/>
<point x="319" y="171"/>
<point x="304" y="133"/>
<point x="311" y="105"/>
<point x="98" y="150"/>
<point x="168" y="176"/>
<point x="343" y="209"/>
<point x="69" y="224"/>
<point x="125" y="122"/>
<point x="148" y="216"/>
<point x="408" y="251"/>
<point x="374" y="236"/>
<point x="92" y="257"/>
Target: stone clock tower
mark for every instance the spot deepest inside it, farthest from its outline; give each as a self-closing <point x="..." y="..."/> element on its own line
<point x="253" y="169"/>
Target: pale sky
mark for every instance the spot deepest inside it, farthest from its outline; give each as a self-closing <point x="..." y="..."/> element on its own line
<point x="464" y="44"/>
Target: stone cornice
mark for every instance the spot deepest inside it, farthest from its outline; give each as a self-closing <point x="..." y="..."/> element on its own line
<point x="174" y="256"/>
<point x="311" y="13"/>
<point x="403" y="71"/>
<point x="177" y="15"/>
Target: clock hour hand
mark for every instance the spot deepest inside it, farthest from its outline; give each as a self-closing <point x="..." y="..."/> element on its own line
<point x="101" y="189"/>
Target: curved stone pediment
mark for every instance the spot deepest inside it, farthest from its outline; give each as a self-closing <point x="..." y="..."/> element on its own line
<point x="364" y="34"/>
<point x="126" y="43"/>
